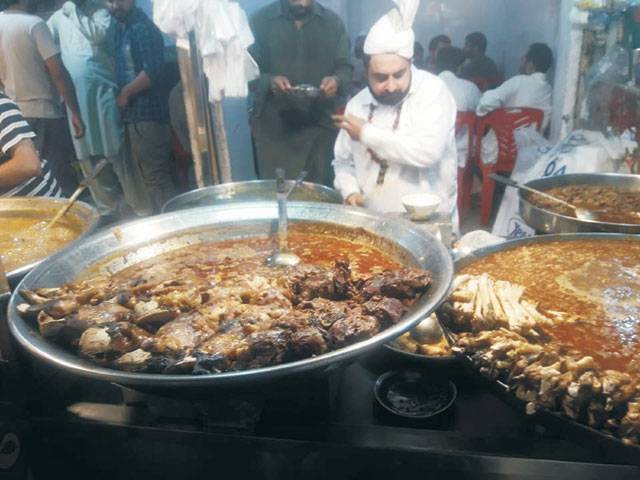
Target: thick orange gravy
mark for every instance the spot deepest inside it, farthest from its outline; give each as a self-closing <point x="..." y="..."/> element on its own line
<point x="248" y="254"/>
<point x="597" y="281"/>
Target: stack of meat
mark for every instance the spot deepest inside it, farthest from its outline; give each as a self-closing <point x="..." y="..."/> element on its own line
<point x="204" y="319"/>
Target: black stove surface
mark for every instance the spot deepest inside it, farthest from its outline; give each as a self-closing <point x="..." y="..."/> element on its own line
<point x="306" y="427"/>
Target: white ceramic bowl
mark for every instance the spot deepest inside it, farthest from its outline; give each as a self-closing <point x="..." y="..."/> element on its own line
<point x="421" y="206"/>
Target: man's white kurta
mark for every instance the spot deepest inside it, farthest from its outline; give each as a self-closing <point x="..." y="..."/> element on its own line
<point x="525" y="91"/>
<point x="421" y="153"/>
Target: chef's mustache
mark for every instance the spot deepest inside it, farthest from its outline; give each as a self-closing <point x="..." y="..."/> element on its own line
<point x="391" y="99"/>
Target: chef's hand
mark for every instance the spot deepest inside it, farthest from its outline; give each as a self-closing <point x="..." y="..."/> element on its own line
<point x="280" y="84"/>
<point x="355" y="200"/>
<point x="78" y="126"/>
<point x="329" y="87"/>
<point x="350" y="124"/>
<point x="123" y="99"/>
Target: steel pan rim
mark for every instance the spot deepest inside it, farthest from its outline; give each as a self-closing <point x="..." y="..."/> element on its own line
<point x="42" y="349"/>
<point x="533" y="214"/>
<point x="93" y="217"/>
<point x="466" y="259"/>
<point x="168" y="207"/>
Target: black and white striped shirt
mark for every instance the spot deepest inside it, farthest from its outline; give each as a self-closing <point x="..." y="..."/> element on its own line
<point x="13" y="129"/>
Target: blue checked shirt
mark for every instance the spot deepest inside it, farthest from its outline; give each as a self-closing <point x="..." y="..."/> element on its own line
<point x="139" y="46"/>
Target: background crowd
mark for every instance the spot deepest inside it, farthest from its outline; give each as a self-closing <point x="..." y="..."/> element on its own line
<point x="92" y="82"/>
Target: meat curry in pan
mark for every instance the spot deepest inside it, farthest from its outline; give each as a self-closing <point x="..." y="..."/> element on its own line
<point x="559" y="323"/>
<point x="608" y="204"/>
<point x="216" y="307"/>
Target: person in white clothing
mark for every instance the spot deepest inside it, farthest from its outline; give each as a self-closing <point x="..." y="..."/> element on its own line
<point x="466" y="93"/>
<point x="530" y="89"/>
<point x="398" y="135"/>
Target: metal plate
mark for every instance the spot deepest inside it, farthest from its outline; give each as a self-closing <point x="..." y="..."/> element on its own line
<point x="82" y="213"/>
<point x="131" y="243"/>
<point x="552" y="418"/>
<point x="253" y="191"/>
<point x="545" y="221"/>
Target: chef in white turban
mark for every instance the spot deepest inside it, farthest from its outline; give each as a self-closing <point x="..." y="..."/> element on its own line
<point x="398" y="134"/>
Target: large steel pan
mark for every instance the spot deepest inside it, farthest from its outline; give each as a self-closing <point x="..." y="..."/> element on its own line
<point x="131" y="243"/>
<point x="252" y="191"/>
<point x="82" y="214"/>
<point x="553" y="419"/>
<point x="545" y="221"/>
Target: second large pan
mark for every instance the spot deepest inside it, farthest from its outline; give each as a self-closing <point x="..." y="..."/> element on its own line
<point x="545" y="221"/>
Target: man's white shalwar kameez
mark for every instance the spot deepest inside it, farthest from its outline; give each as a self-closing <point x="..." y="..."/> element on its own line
<point x="421" y="152"/>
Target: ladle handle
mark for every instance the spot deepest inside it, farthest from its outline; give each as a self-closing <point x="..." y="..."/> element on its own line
<point x="83" y="184"/>
<point x="283" y="244"/>
<point x="520" y="186"/>
<point x="297" y="183"/>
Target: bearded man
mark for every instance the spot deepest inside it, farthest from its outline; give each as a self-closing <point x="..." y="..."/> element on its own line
<point x="398" y="134"/>
<point x="298" y="42"/>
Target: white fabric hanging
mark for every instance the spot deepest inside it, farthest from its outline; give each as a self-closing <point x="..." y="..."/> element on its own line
<point x="223" y="37"/>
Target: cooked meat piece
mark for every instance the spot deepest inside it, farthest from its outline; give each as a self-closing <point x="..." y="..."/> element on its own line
<point x="267" y="348"/>
<point x="315" y="285"/>
<point x="324" y="313"/>
<point x="111" y="340"/>
<point x="179" y="337"/>
<point x="308" y="283"/>
<point x="308" y="342"/>
<point x="407" y="283"/>
<point x="355" y="327"/>
<point x="149" y="315"/>
<point x="106" y="312"/>
<point x="230" y="346"/>
<point x="70" y="328"/>
<point x="135" y="361"/>
<point x="206" y="365"/>
<point x="60" y="308"/>
<point x="95" y="341"/>
<point x="342" y="279"/>
<point x="40" y="297"/>
<point x="388" y="310"/>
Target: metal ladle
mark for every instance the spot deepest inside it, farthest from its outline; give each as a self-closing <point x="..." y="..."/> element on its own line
<point x="581" y="213"/>
<point x="83" y="185"/>
<point x="283" y="257"/>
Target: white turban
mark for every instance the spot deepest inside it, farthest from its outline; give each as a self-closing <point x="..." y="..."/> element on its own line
<point x="393" y="33"/>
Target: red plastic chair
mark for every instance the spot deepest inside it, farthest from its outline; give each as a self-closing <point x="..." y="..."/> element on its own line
<point x="466" y="120"/>
<point x="503" y="122"/>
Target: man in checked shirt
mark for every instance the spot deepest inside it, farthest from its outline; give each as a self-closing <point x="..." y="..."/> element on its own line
<point x="139" y="48"/>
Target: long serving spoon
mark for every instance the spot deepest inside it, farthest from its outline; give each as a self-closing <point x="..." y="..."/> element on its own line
<point x="581" y="213"/>
<point x="83" y="184"/>
<point x="283" y="257"/>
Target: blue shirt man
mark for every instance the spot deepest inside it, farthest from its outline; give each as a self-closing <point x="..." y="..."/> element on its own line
<point x="139" y="51"/>
<point x="140" y="48"/>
